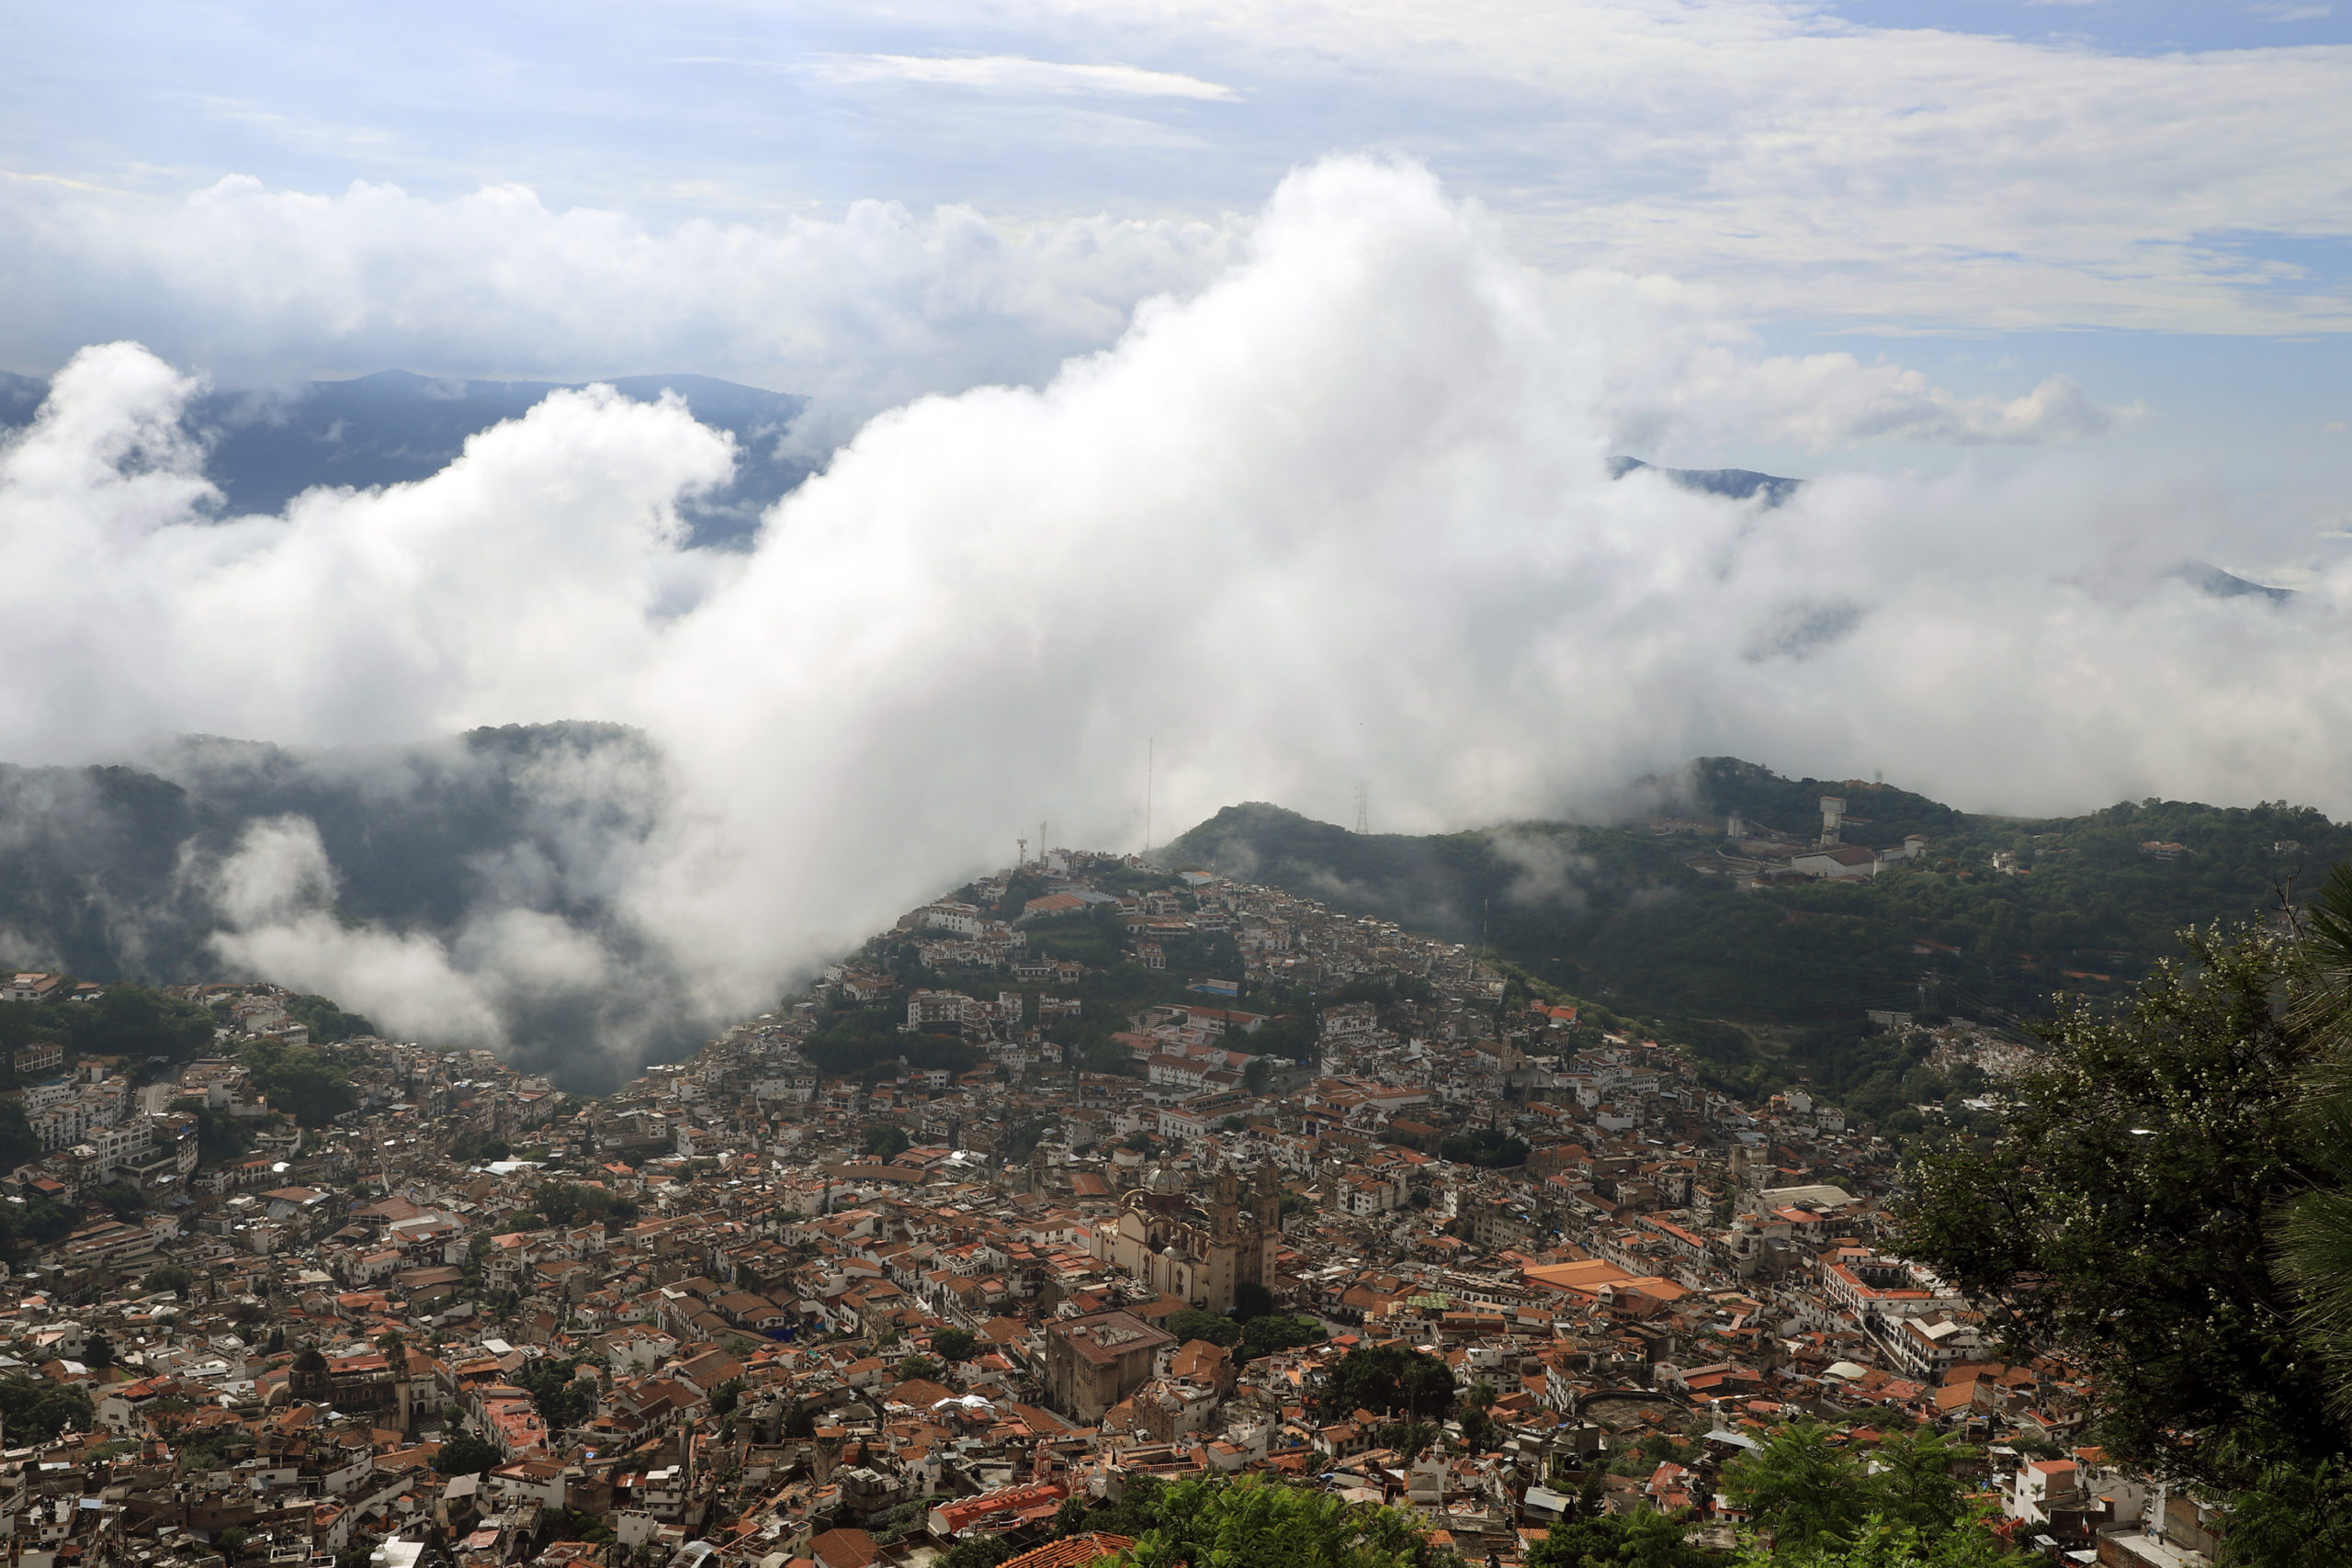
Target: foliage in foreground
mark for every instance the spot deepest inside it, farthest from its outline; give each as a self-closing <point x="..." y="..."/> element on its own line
<point x="1251" y="1523"/>
<point x="1810" y="1495"/>
<point x="2121" y="1222"/>
<point x="1878" y="1543"/>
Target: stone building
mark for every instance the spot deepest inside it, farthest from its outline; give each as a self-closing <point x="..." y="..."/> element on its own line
<point x="1093" y="1363"/>
<point x="1198" y="1253"/>
<point x="367" y="1384"/>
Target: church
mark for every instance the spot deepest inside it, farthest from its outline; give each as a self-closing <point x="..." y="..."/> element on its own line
<point x="1199" y="1253"/>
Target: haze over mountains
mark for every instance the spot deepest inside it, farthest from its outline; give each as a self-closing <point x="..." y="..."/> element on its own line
<point x="511" y="850"/>
<point x="263" y="448"/>
<point x="1346" y="513"/>
<point x="504" y="848"/>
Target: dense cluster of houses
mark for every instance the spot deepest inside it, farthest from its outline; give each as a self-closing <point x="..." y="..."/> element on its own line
<point x="479" y="1321"/>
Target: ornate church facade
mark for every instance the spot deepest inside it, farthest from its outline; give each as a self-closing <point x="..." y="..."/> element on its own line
<point x="1197" y="1252"/>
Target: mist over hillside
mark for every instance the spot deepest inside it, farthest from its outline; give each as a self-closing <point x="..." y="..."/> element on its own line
<point x="330" y="869"/>
<point x="1649" y="915"/>
<point x="484" y="889"/>
<point x="1359" y="531"/>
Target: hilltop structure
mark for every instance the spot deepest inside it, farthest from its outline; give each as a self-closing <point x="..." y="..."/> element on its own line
<point x="1198" y="1253"/>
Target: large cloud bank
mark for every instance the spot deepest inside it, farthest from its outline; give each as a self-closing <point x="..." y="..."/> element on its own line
<point x="1341" y="515"/>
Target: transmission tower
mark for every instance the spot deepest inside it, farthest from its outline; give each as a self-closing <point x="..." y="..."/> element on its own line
<point x="1364" y="808"/>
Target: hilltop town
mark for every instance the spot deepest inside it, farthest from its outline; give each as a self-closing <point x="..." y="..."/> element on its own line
<point x="1088" y="1175"/>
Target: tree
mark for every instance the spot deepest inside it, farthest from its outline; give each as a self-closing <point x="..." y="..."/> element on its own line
<point x="1598" y="1539"/>
<point x="2316" y="1232"/>
<point x="913" y="1366"/>
<point x="1265" y="1335"/>
<point x="2121" y="1220"/>
<point x="1191" y="1323"/>
<point x="18" y="1141"/>
<point x="1411" y="1438"/>
<point x="886" y="1140"/>
<point x="954" y="1345"/>
<point x="326" y="1022"/>
<point x="569" y="1203"/>
<point x="135" y="1021"/>
<point x="564" y="1398"/>
<point x="1484" y="1146"/>
<point x="168" y="1277"/>
<point x="1389" y="1379"/>
<point x="1877" y="1544"/>
<point x="1250" y="1300"/>
<point x="219" y="1138"/>
<point x="299" y="1081"/>
<point x="1805" y="1490"/>
<point x="37" y="1407"/>
<point x="1477" y="1429"/>
<point x="97" y="1352"/>
<point x="1240" y="1523"/>
<point x="572" y="1524"/>
<point x="467" y="1454"/>
<point x="976" y="1551"/>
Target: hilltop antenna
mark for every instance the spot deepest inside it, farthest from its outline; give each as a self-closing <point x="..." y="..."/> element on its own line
<point x="1041" y="843"/>
<point x="1024" y="859"/>
<point x="1150" y="760"/>
<point x="1364" y="808"/>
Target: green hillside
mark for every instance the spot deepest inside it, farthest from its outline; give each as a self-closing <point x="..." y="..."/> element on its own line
<point x="1618" y="914"/>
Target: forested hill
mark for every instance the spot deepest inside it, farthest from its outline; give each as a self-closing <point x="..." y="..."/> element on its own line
<point x="108" y="872"/>
<point x="1620" y="915"/>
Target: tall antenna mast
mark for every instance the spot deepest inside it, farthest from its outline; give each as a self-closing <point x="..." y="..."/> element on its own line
<point x="1364" y="808"/>
<point x="1024" y="859"/>
<point x="1150" y="760"/>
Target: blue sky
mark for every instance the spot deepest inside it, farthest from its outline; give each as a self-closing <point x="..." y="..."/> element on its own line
<point x="2123" y="26"/>
<point x="2153" y="200"/>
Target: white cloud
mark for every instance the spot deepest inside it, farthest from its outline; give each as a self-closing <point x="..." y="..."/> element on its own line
<point x="1831" y="401"/>
<point x="879" y="306"/>
<point x="276" y="894"/>
<point x="1900" y="178"/>
<point x="1342" y="514"/>
<point x="1013" y="74"/>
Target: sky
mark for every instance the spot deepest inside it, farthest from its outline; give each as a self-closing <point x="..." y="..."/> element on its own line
<point x="1233" y="383"/>
<point x="2154" y="199"/>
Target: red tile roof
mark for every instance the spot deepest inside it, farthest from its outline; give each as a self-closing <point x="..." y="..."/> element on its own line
<point x="1071" y="1553"/>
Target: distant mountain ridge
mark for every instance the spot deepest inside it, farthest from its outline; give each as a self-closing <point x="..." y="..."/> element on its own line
<point x="1747" y="484"/>
<point x="109" y="871"/>
<point x="1737" y="484"/>
<point x="1647" y="915"/>
<point x="395" y="426"/>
